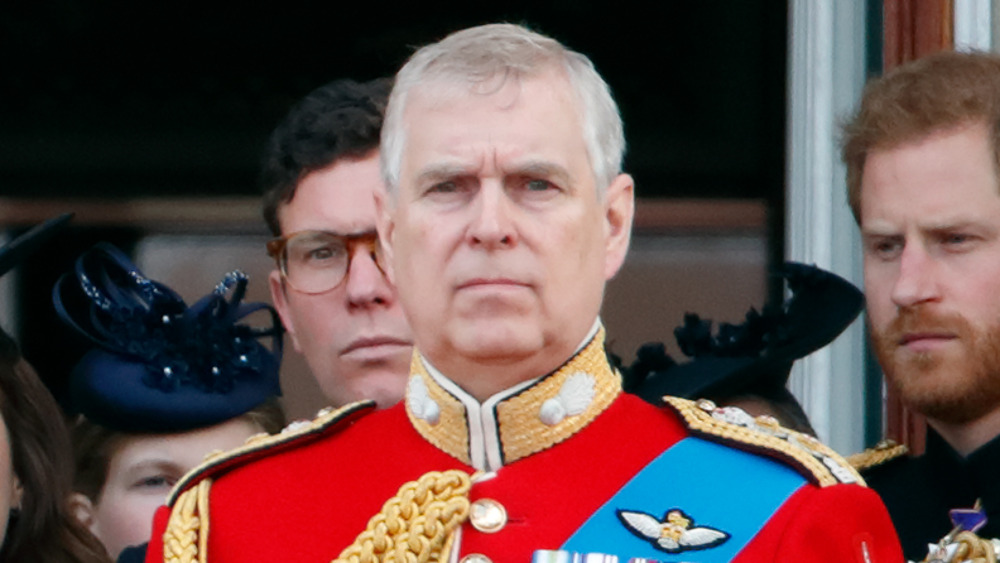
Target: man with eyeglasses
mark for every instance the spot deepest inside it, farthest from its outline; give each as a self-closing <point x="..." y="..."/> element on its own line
<point x="319" y="175"/>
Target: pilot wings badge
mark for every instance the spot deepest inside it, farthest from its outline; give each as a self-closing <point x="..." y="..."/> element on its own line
<point x="674" y="534"/>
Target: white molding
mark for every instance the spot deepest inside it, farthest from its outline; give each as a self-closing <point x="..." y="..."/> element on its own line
<point x="973" y="25"/>
<point x="826" y="71"/>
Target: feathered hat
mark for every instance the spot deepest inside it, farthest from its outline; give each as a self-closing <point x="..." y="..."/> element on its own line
<point x="159" y="365"/>
<point x="755" y="356"/>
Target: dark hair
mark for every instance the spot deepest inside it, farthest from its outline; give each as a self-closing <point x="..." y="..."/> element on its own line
<point x="342" y="119"/>
<point x="778" y="402"/>
<point x="931" y="94"/>
<point x="45" y="530"/>
<point x="94" y="445"/>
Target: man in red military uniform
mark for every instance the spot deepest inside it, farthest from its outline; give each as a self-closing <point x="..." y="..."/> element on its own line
<point x="505" y="213"/>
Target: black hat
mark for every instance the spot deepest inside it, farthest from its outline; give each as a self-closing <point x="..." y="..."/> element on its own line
<point x="17" y="250"/>
<point x="754" y="357"/>
<point x="161" y="366"/>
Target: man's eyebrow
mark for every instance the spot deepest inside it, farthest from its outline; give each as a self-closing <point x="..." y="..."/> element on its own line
<point x="870" y="232"/>
<point x="540" y="168"/>
<point x="438" y="172"/>
<point x="348" y="234"/>
<point x="937" y="227"/>
<point x="955" y="225"/>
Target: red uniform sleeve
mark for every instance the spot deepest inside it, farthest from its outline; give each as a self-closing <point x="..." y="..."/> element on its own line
<point x="154" y="552"/>
<point x="841" y="523"/>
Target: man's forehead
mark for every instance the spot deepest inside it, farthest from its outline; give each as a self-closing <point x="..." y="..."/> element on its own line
<point x="503" y="87"/>
<point x="894" y="217"/>
<point x="442" y="112"/>
<point x="339" y="198"/>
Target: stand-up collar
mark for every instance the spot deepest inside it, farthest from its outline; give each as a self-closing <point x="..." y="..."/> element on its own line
<point x="968" y="478"/>
<point x="516" y="422"/>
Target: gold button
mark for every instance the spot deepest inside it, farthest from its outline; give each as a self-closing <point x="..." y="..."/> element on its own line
<point x="475" y="558"/>
<point x="487" y="515"/>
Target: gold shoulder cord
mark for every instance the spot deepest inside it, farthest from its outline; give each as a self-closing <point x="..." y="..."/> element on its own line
<point x="884" y="451"/>
<point x="416" y="525"/>
<point x="186" y="536"/>
<point x="808" y="459"/>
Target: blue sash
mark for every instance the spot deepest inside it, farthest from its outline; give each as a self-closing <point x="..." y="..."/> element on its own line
<point x="717" y="486"/>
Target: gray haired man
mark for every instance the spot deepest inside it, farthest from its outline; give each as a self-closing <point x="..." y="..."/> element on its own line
<point x="504" y="215"/>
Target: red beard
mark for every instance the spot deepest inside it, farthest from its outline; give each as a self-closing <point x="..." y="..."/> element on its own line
<point x="957" y="384"/>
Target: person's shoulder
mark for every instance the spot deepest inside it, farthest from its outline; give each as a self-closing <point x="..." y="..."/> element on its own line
<point x="894" y="473"/>
<point x="763" y="436"/>
<point x="295" y="436"/>
<point x="133" y="554"/>
<point x="886" y="456"/>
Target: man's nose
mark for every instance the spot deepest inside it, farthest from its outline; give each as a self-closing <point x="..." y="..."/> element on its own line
<point x="916" y="280"/>
<point x="366" y="285"/>
<point x="492" y="223"/>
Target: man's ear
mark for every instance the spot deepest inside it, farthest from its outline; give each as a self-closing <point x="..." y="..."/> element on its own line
<point x="279" y="298"/>
<point x="385" y="225"/>
<point x="619" y="208"/>
<point x="83" y="509"/>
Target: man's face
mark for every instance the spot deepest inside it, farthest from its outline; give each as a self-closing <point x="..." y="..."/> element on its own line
<point x="499" y="242"/>
<point x="354" y="337"/>
<point x="930" y="223"/>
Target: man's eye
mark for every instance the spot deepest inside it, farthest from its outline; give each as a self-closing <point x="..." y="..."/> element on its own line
<point x="538" y="185"/>
<point x="444" y="188"/>
<point x="956" y="239"/>
<point x="324" y="253"/>
<point x="886" y="249"/>
<point x="319" y="254"/>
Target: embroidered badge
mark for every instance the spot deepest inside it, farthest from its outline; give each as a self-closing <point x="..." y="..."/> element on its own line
<point x="675" y="534"/>
<point x="421" y="404"/>
<point x="769" y="426"/>
<point x="961" y="544"/>
<point x="573" y="398"/>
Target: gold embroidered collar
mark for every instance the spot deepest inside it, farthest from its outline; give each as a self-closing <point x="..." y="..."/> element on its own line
<point x="517" y="422"/>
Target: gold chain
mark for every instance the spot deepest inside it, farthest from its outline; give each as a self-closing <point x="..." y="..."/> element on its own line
<point x="415" y="525"/>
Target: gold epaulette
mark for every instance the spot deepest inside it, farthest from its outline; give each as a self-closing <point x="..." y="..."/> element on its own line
<point x="880" y="453"/>
<point x="763" y="435"/>
<point x="262" y="445"/>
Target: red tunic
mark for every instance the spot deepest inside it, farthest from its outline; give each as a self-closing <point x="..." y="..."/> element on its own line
<point x="308" y="498"/>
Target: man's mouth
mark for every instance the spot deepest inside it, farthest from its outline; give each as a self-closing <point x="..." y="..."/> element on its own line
<point x="487" y="283"/>
<point x="924" y="341"/>
<point x="373" y="344"/>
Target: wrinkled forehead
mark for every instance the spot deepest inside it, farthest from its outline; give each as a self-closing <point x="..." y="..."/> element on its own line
<point x="505" y="86"/>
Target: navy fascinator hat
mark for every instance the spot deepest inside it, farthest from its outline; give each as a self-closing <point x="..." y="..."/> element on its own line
<point x="159" y="365"/>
